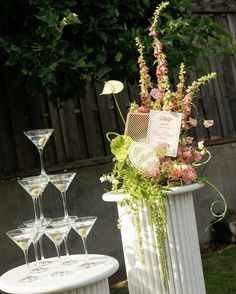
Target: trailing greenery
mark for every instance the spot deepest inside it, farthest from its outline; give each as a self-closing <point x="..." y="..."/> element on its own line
<point x="140" y="186"/>
<point x="60" y="55"/>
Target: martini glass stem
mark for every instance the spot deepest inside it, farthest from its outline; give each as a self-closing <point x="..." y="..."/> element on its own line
<point x="36" y="252"/>
<point x="41" y="248"/>
<point x="85" y="249"/>
<point x="26" y="259"/>
<point x="66" y="246"/>
<point x="41" y="215"/>
<point x="63" y="194"/>
<point x="41" y="161"/>
<point x="35" y="209"/>
<point x="58" y="254"/>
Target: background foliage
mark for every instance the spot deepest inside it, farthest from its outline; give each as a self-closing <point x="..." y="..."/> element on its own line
<point x="51" y="55"/>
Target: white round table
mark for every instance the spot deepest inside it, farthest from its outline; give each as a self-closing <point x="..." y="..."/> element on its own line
<point x="92" y="280"/>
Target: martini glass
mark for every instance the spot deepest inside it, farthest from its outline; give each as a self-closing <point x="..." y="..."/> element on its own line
<point x="23" y="240"/>
<point x="39" y="138"/>
<point x="83" y="226"/>
<point x="66" y="221"/>
<point x="41" y="227"/>
<point x="35" y="187"/>
<point x="56" y="235"/>
<point x="62" y="182"/>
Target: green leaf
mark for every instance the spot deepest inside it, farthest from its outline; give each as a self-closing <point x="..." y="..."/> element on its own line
<point x="12" y="60"/>
<point x="103" y="71"/>
<point x="101" y="58"/>
<point x="118" y="56"/>
<point x="120" y="147"/>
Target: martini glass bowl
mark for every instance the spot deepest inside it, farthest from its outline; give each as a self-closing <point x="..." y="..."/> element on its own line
<point x="83" y="226"/>
<point x="39" y="138"/>
<point x="23" y="239"/>
<point x="62" y="182"/>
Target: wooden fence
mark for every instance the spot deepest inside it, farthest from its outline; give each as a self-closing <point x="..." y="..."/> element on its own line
<point x="81" y="123"/>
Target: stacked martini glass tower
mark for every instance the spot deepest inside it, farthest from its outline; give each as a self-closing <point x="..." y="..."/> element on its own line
<point x="56" y="229"/>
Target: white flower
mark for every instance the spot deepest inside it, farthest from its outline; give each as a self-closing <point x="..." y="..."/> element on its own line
<point x="201" y="145"/>
<point x="208" y="123"/>
<point x="109" y="178"/>
<point x="112" y="87"/>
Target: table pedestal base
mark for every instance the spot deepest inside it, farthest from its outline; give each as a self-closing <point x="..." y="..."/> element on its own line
<point x="101" y="287"/>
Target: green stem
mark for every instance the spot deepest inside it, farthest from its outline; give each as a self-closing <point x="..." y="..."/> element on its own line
<point x="118" y="107"/>
<point x="111" y="133"/>
<point x="219" y="216"/>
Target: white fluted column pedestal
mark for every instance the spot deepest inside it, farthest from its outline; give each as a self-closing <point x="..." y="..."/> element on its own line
<point x="184" y="259"/>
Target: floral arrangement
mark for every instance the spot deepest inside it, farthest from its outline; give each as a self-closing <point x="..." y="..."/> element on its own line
<point x="153" y="185"/>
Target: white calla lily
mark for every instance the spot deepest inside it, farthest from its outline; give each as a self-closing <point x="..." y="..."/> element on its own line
<point x="112" y="87"/>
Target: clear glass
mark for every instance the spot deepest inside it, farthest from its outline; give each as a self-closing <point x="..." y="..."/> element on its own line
<point x="62" y="182"/>
<point x="66" y="221"/>
<point x="83" y="226"/>
<point x="56" y="235"/>
<point x="34" y="186"/>
<point x="41" y="227"/>
<point x="23" y="240"/>
<point x="39" y="138"/>
<point x="43" y="222"/>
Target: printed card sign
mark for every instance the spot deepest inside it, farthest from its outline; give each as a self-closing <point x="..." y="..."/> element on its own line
<point x="143" y="156"/>
<point x="164" y="128"/>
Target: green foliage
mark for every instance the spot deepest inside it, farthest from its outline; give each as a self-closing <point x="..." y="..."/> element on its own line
<point x="56" y="51"/>
<point x="141" y="186"/>
<point x="120" y="146"/>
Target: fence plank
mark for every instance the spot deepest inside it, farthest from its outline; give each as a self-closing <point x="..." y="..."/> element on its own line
<point x="222" y="100"/>
<point x="7" y="148"/>
<point x="199" y="133"/>
<point x="210" y="108"/>
<point x="57" y="134"/>
<point x="91" y="121"/>
<point x="19" y="123"/>
<point x="134" y="93"/>
<point x="49" y="150"/>
<point x="74" y="146"/>
<point x="124" y="103"/>
<point x="107" y="115"/>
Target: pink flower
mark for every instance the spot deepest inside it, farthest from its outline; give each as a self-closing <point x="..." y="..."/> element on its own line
<point x="188" y="98"/>
<point x="155" y="172"/>
<point x="143" y="109"/>
<point x="189" y="174"/>
<point x="187" y="155"/>
<point x="208" y="123"/>
<point x="197" y="155"/>
<point x="176" y="174"/>
<point x="156" y="94"/>
<point x="193" y="122"/>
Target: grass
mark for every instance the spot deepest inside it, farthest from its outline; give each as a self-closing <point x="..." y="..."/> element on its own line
<point x="219" y="272"/>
